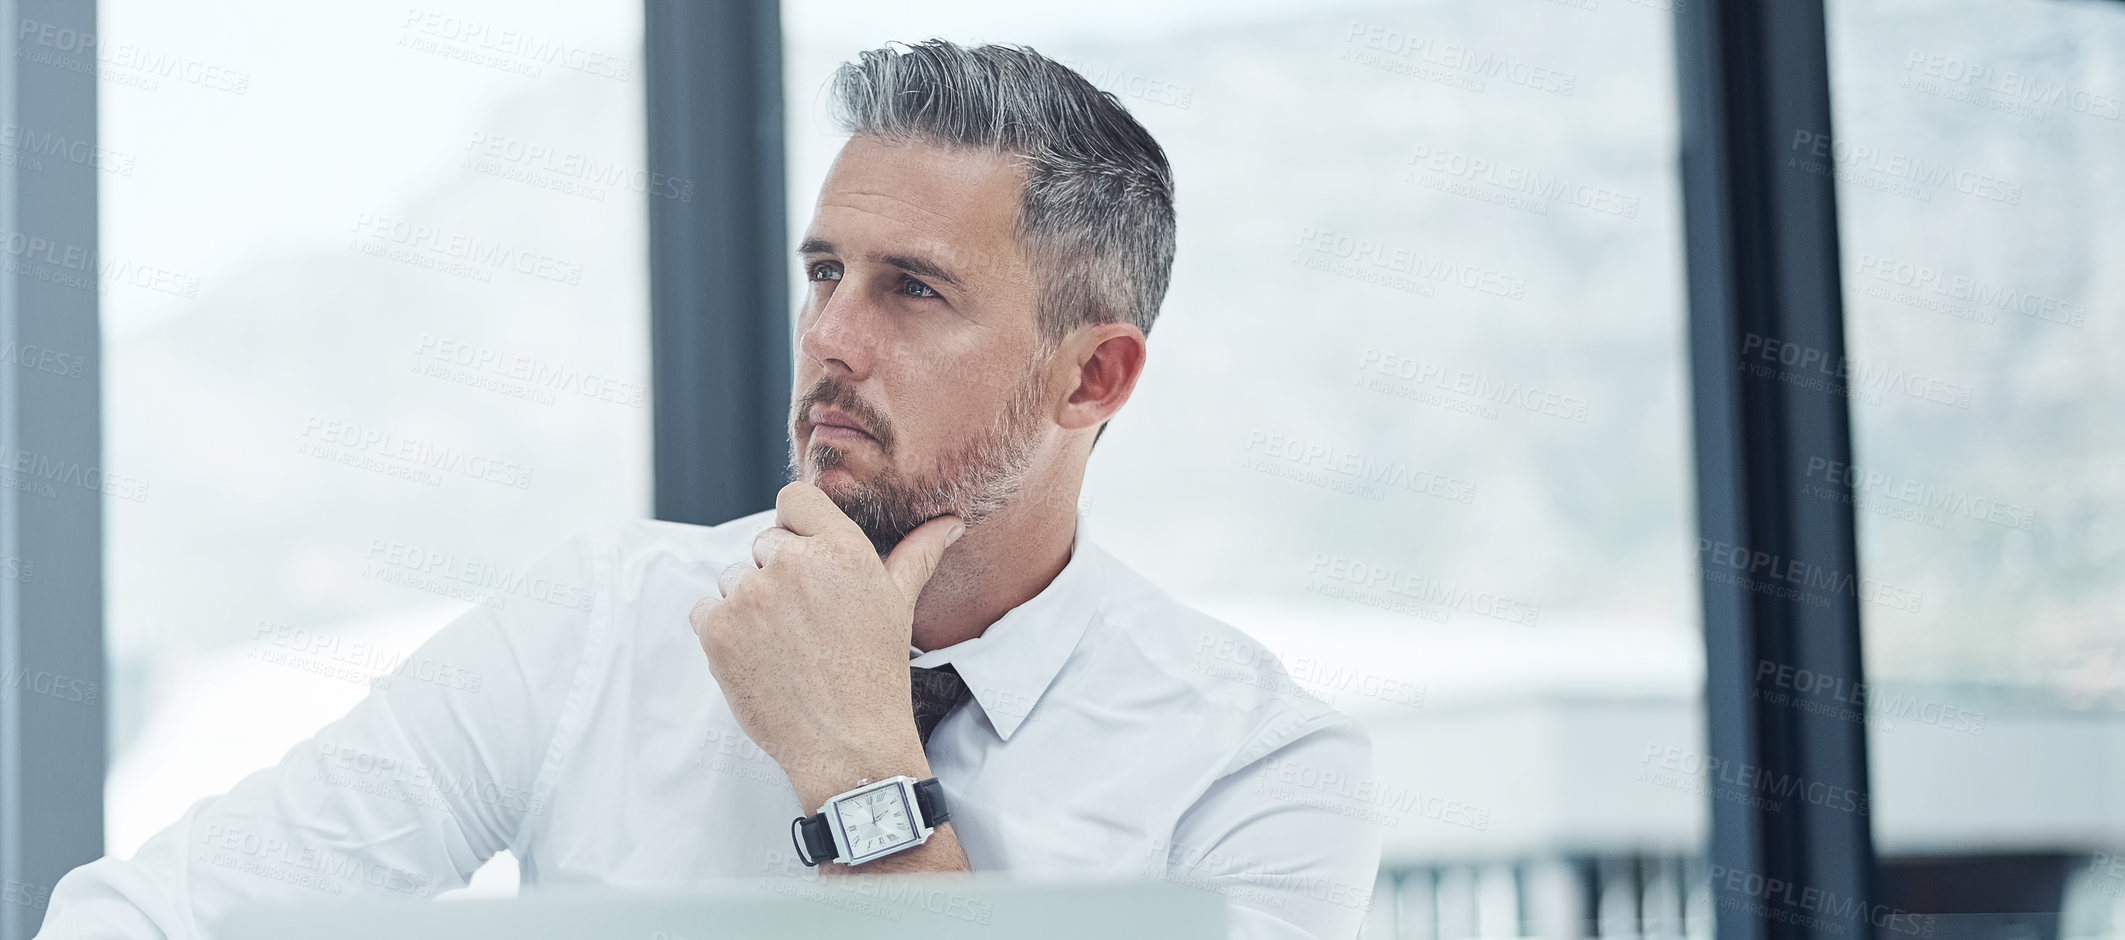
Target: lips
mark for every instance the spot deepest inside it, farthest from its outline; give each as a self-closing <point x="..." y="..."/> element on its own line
<point x="838" y="424"/>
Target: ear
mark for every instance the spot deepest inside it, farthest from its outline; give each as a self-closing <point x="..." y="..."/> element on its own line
<point x="1108" y="358"/>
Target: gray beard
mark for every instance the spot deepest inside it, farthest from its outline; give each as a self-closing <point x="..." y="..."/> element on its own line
<point x="972" y="482"/>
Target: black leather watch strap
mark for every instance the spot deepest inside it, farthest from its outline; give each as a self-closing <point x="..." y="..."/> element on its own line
<point x="815" y="838"/>
<point x="929" y="798"/>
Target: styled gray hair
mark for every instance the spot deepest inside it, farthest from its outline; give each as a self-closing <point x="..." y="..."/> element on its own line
<point x="1096" y="216"/>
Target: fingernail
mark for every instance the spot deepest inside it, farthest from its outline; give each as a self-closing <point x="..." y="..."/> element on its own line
<point x="957" y="531"/>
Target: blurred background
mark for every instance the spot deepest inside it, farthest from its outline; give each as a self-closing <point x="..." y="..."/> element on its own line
<point x="1427" y="317"/>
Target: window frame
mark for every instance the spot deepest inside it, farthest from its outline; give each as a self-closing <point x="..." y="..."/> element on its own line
<point x="53" y="713"/>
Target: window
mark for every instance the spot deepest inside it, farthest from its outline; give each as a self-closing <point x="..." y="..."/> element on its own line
<point x="376" y="336"/>
<point x="1979" y="200"/>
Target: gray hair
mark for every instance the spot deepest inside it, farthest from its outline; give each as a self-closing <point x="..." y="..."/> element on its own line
<point x="1096" y="216"/>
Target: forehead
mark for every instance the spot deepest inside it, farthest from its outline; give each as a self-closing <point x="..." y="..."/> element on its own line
<point x="960" y="205"/>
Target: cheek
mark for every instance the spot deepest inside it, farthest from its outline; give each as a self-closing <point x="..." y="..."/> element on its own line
<point x="924" y="417"/>
<point x="940" y="396"/>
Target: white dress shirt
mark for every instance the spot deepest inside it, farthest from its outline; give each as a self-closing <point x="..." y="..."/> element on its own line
<point x="1111" y="731"/>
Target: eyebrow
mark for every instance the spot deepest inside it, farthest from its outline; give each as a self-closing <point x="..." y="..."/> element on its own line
<point x="912" y="264"/>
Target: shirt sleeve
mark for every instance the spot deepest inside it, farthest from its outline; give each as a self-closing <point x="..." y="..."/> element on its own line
<point x="1291" y="839"/>
<point x="443" y="764"/>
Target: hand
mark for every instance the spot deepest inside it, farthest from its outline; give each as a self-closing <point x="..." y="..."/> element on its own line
<point x="810" y="643"/>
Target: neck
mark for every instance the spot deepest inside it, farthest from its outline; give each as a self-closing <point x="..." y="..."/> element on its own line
<point x="1002" y="563"/>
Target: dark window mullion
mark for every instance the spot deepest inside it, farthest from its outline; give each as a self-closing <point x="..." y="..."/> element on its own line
<point x="719" y="263"/>
<point x="52" y="706"/>
<point x="1760" y="225"/>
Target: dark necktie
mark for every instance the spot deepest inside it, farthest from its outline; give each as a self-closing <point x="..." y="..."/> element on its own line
<point x="936" y="691"/>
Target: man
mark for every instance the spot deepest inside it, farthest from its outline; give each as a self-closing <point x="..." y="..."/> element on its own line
<point x="986" y="256"/>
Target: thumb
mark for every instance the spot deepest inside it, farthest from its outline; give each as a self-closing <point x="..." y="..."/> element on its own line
<point x="915" y="559"/>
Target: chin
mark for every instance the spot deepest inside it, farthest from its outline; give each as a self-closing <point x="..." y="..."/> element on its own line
<point x="839" y="482"/>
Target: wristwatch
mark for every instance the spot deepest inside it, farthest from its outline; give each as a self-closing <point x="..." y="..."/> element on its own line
<point x="871" y="822"/>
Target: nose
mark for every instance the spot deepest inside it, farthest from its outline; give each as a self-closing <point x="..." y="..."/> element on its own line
<point x="837" y="334"/>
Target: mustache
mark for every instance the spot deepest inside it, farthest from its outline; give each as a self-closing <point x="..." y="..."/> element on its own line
<point x="834" y="394"/>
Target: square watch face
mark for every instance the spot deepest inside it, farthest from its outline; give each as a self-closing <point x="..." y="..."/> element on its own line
<point x="876" y="821"/>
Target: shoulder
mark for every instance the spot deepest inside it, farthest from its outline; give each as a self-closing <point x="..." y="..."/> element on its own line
<point x="1219" y="677"/>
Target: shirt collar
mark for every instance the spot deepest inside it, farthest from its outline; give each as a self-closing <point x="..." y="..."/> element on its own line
<point x="1012" y="663"/>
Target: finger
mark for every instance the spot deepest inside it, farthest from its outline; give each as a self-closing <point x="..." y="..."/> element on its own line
<point x="915" y="559"/>
<point x="770" y="542"/>
<point x="728" y="581"/>
<point x="700" y="612"/>
<point x="805" y="509"/>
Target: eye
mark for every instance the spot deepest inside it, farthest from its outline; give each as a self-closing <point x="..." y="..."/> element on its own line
<point x="823" y="271"/>
<point x="915" y="288"/>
